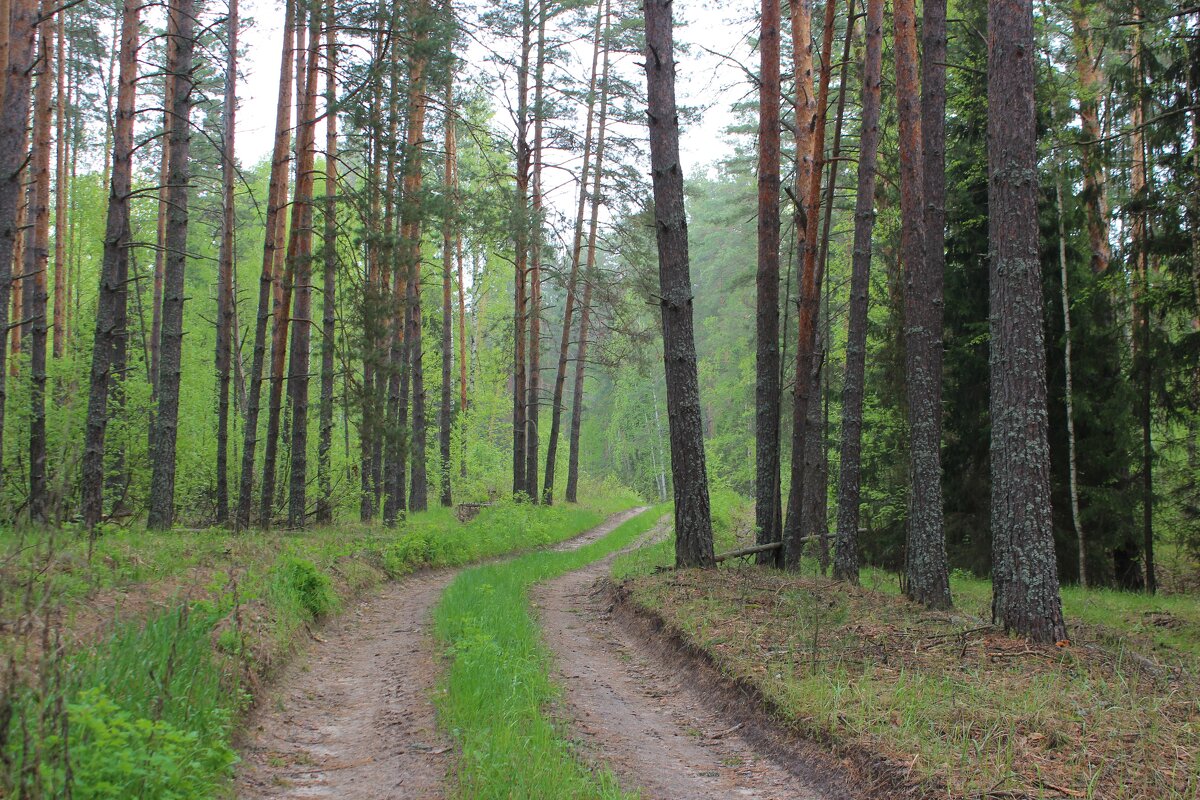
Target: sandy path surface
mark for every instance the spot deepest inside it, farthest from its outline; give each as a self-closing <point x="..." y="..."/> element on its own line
<point x="648" y="719"/>
<point x="353" y="716"/>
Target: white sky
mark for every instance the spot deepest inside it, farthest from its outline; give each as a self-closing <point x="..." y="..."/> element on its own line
<point x="704" y="80"/>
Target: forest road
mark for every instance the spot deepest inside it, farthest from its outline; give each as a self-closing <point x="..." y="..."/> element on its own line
<point x="352" y="717"/>
<point x="654" y="721"/>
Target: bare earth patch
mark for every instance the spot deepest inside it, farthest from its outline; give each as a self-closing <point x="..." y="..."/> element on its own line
<point x="353" y="717"/>
<point x="654" y="721"/>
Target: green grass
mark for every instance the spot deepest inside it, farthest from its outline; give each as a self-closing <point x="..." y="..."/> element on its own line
<point x="497" y="687"/>
<point x="160" y="632"/>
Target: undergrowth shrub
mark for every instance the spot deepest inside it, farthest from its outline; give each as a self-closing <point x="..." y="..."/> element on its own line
<point x="298" y="583"/>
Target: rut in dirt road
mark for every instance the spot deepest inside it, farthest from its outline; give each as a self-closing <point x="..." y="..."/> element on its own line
<point x="354" y="717"/>
<point x="639" y="715"/>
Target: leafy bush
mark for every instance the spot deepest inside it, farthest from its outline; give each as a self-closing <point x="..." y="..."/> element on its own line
<point x="309" y="588"/>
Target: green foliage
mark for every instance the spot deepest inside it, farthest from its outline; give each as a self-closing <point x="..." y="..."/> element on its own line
<point x="297" y="580"/>
<point x="497" y="687"/>
<point x="116" y="755"/>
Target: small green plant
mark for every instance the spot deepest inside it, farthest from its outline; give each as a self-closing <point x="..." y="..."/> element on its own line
<point x="311" y="589"/>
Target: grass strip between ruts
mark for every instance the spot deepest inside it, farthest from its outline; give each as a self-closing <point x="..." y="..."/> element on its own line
<point x="497" y="687"/>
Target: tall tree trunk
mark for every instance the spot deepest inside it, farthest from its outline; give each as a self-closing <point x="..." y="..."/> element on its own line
<point x="276" y="197"/>
<point x="1068" y="389"/>
<point x="179" y="72"/>
<point x="928" y="575"/>
<point x="693" y="517"/>
<point x="560" y="375"/>
<point x="160" y="253"/>
<point x="301" y="257"/>
<point x="845" y="562"/>
<point x="37" y="257"/>
<point x="411" y="214"/>
<point x="329" y="277"/>
<point x="521" y="238"/>
<point x="1139" y="186"/>
<point x="392" y="254"/>
<point x="535" y="269"/>
<point x="116" y="251"/>
<point x="60" y="187"/>
<point x="20" y="325"/>
<point x="767" y="513"/>
<point x="810" y="146"/>
<point x="1091" y="87"/>
<point x="285" y="282"/>
<point x="225" y="299"/>
<point x="589" y="280"/>
<point x="462" y="341"/>
<point x="373" y="407"/>
<point x="14" y="112"/>
<point x="1025" y="575"/>
<point x="449" y="223"/>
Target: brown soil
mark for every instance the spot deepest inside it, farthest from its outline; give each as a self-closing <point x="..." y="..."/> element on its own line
<point x="656" y="720"/>
<point x="354" y="717"/>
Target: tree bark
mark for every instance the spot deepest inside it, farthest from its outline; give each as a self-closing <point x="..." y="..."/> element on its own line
<point x="1068" y="389"/>
<point x="1025" y="575"/>
<point x="411" y="214"/>
<point x="1091" y="87"/>
<point x="116" y="250"/>
<point x="276" y="196"/>
<point x="693" y="517"/>
<point x="329" y="278"/>
<point x="449" y="223"/>
<point x="589" y="281"/>
<point x="845" y="562"/>
<point x="560" y="375"/>
<point x="535" y="269"/>
<point x="284" y="285"/>
<point x="14" y="113"/>
<point x="301" y="256"/>
<point x="225" y="299"/>
<point x="799" y="524"/>
<point x="767" y="511"/>
<point x="37" y="257"/>
<point x="179" y="72"/>
<point x="521" y="238"/>
<point x="921" y="248"/>
<point x="160" y="253"/>
<point x="60" y="187"/>
<point x="394" y="256"/>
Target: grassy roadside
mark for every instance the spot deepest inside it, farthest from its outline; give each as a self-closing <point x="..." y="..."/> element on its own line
<point x="497" y="686"/>
<point x="957" y="708"/>
<point x="123" y="674"/>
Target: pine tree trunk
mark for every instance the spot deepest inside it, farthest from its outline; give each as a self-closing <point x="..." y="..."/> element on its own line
<point x="179" y="72"/>
<point x="14" y="112"/>
<point x="535" y="270"/>
<point x="329" y="277"/>
<point x="589" y="280"/>
<point x="448" y="225"/>
<point x="462" y="342"/>
<point x="60" y="187"/>
<point x="845" y="562"/>
<point x="410" y="242"/>
<point x="693" y="517"/>
<point x="37" y="257"/>
<point x="560" y="375"/>
<point x="1068" y="389"/>
<point x="284" y="285"/>
<point x="116" y="249"/>
<point x="767" y="513"/>
<point x="301" y="256"/>
<point x="1091" y="85"/>
<point x="1025" y="575"/>
<point x="160" y="253"/>
<point x="392" y="254"/>
<point x="926" y="570"/>
<point x="799" y="525"/>
<point x="276" y="197"/>
<point x="225" y="299"/>
<point x="521" y="238"/>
